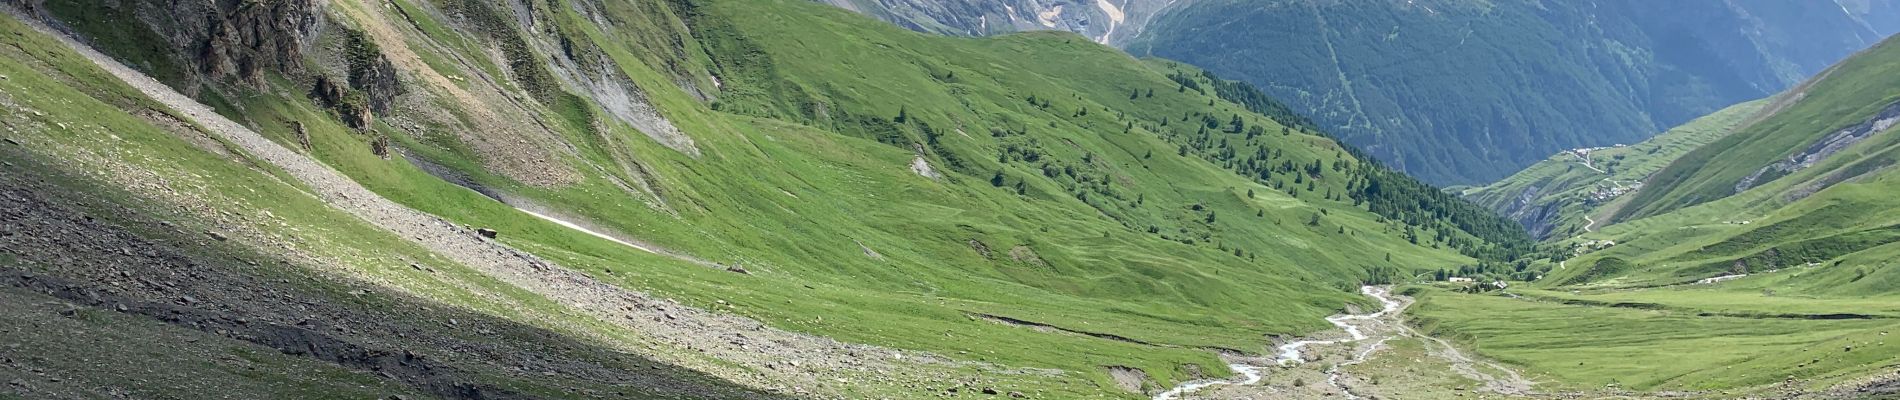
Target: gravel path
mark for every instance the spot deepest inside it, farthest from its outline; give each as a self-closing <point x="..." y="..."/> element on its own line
<point x="753" y="353"/>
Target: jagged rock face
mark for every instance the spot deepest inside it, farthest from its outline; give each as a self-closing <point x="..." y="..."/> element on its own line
<point x="350" y="106"/>
<point x="583" y="66"/>
<point x="241" y="42"/>
<point x="246" y="37"/>
<point x="372" y="84"/>
<point x="371" y="73"/>
<point x="220" y="39"/>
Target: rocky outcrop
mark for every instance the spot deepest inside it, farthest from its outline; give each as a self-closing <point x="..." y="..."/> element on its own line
<point x="221" y="40"/>
<point x="371" y="88"/>
<point x="582" y="65"/>
<point x="244" y="43"/>
<point x="1822" y="149"/>
<point x="349" y="105"/>
<point x="370" y="72"/>
<point x="245" y="37"/>
<point x="1540" y="218"/>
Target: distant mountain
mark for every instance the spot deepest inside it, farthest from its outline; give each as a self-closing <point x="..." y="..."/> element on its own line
<point x="1105" y="21"/>
<point x="1459" y="91"/>
<point x="1463" y="91"/>
<point x="1882" y="16"/>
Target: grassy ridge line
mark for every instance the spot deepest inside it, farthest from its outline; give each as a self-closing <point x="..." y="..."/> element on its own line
<point x="1842" y="96"/>
<point x="1816" y="216"/>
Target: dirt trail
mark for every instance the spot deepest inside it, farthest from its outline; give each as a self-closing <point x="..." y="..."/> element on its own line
<point x="738" y="348"/>
<point x="582" y="226"/>
<point x="1586" y="162"/>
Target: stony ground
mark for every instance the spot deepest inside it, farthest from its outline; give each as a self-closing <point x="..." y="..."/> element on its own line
<point x="1393" y="361"/>
<point x="163" y="281"/>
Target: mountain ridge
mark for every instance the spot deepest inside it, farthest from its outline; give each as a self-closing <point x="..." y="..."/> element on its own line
<point x="1644" y="66"/>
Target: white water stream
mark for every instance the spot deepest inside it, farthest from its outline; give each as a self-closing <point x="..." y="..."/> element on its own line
<point x="1290" y="352"/>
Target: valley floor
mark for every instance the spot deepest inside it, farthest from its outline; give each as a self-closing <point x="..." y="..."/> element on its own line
<point x="1374" y="355"/>
<point x="1727" y="340"/>
<point x="1695" y="343"/>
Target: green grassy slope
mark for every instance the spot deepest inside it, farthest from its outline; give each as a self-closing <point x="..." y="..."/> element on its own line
<point x="1825" y="213"/>
<point x="1581" y="343"/>
<point x="1786" y="287"/>
<point x="1078" y="187"/>
<point x="1843" y="96"/>
<point x="178" y="312"/>
<point x="1554" y="196"/>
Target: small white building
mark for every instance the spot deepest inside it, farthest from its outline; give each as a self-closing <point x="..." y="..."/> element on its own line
<point x="1457" y="279"/>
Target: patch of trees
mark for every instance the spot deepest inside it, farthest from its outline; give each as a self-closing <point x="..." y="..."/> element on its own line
<point x="1381" y="190"/>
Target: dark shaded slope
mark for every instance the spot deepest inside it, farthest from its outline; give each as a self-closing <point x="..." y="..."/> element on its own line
<point x="107" y="257"/>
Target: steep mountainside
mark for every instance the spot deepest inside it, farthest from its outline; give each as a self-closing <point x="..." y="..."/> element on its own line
<point x="1805" y="131"/>
<point x="1460" y="91"/>
<point x="1805" y="185"/>
<point x="1763" y="262"/>
<point x="1577" y="190"/>
<point x="735" y="198"/>
<point x="1882" y="16"/>
<point x="1529" y="78"/>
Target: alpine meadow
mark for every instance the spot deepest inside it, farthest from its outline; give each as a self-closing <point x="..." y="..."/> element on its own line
<point x="906" y="199"/>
